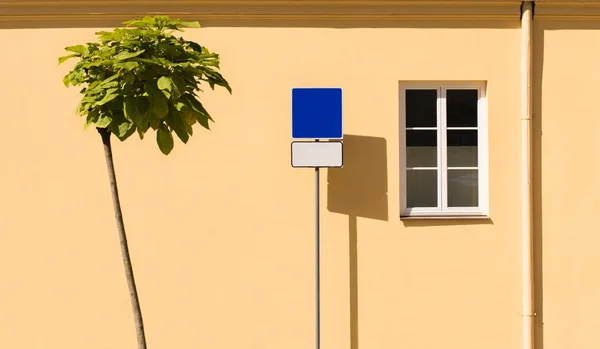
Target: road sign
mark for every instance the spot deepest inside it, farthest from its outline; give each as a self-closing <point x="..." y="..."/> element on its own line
<point x="317" y="154"/>
<point x="317" y="113"/>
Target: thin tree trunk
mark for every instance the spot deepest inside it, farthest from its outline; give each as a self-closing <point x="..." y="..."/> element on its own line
<point x="133" y="295"/>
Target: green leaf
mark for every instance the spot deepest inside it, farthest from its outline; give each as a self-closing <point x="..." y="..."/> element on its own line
<point x="145" y="22"/>
<point x="141" y="132"/>
<point x="196" y="106"/>
<point x="64" y="58"/>
<point x="177" y="123"/>
<point x="179" y="105"/>
<point x="107" y="62"/>
<point x="91" y="119"/>
<point x="125" y="55"/>
<point x="164" y="139"/>
<point x="129" y="108"/>
<point x="76" y="77"/>
<point x="123" y="129"/>
<point x="203" y="120"/>
<point x="103" y="121"/>
<point x="159" y="70"/>
<point x="175" y="86"/>
<point x="169" y="48"/>
<point x="108" y="81"/>
<point x="128" y="82"/>
<point x="106" y="52"/>
<point x="145" y="60"/>
<point x="127" y="65"/>
<point x="189" y="24"/>
<point x="130" y="78"/>
<point x="108" y="97"/>
<point x="194" y="46"/>
<point x="77" y="49"/>
<point x="144" y="122"/>
<point x="188" y="127"/>
<point x="127" y="134"/>
<point x="215" y="78"/>
<point x="159" y="106"/>
<point x="178" y="87"/>
<point x="144" y="119"/>
<point x="155" y="123"/>
<point x="109" y="36"/>
<point x="165" y="83"/>
<point x="104" y="86"/>
<point x="88" y="123"/>
<point x="67" y="80"/>
<point x="135" y="110"/>
<point x="194" y="70"/>
<point x="146" y="74"/>
<point x="120" y="126"/>
<point x="190" y="119"/>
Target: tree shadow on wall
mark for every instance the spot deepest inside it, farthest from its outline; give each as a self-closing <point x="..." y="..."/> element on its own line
<point x="359" y="189"/>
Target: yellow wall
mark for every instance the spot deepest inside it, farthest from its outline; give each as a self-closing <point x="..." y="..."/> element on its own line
<point x="568" y="192"/>
<point x="222" y="230"/>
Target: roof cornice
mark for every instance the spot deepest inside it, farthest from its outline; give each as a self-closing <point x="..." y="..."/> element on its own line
<point x="48" y="13"/>
<point x="214" y="11"/>
<point x="567" y="10"/>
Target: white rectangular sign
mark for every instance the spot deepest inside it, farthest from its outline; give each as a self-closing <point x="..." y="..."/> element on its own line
<point x="317" y="154"/>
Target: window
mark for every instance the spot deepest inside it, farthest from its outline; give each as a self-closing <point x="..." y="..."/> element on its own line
<point x="443" y="140"/>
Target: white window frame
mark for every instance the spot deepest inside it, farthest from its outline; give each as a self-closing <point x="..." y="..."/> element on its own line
<point x="482" y="211"/>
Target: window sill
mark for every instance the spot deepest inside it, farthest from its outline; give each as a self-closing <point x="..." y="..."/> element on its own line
<point x="445" y="217"/>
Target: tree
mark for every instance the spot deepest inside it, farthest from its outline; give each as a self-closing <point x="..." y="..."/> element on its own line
<point x="138" y="78"/>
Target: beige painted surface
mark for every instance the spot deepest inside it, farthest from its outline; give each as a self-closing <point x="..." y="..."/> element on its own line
<point x="221" y="231"/>
<point x="568" y="192"/>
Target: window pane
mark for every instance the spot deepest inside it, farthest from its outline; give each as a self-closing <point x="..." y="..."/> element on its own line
<point x="461" y="108"/>
<point x="463" y="188"/>
<point x="462" y="148"/>
<point x="421" y="148"/>
<point x="422" y="188"/>
<point x="421" y="108"/>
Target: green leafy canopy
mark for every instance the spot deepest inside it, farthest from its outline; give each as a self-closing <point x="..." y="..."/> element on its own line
<point x="141" y="77"/>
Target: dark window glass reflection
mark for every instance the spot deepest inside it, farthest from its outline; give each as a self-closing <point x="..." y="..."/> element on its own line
<point x="462" y="148"/>
<point x="421" y="148"/>
<point x="421" y="108"/>
<point x="461" y="108"/>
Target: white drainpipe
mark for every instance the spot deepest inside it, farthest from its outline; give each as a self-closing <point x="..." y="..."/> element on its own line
<point x="526" y="177"/>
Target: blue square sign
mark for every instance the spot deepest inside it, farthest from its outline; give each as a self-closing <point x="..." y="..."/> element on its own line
<point x="317" y="113"/>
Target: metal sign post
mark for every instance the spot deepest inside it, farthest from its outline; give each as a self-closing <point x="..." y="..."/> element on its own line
<point x="317" y="258"/>
<point x="317" y="114"/>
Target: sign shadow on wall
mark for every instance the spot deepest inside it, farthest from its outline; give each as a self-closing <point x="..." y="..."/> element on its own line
<point x="359" y="189"/>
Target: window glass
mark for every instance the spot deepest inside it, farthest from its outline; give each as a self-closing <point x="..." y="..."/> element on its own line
<point x="421" y="108"/>
<point x="463" y="188"/>
<point x="421" y="148"/>
<point x="461" y="108"/>
<point x="462" y="148"/>
<point x="422" y="188"/>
